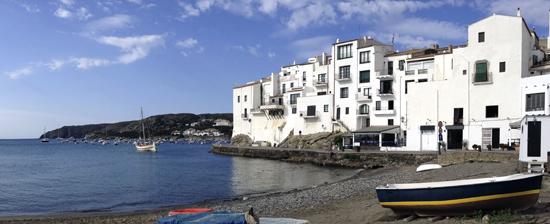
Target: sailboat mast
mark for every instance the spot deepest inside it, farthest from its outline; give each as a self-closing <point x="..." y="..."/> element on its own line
<point x="142" y="125"/>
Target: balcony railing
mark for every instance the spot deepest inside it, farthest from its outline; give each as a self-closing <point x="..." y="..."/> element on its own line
<point x="321" y="83"/>
<point x="307" y="115"/>
<point x="383" y="76"/>
<point x="343" y="77"/>
<point x="422" y="71"/>
<point x="409" y="72"/>
<point x="384" y="110"/>
<point x="385" y="92"/>
<point x="362" y="97"/>
<point x="362" y="112"/>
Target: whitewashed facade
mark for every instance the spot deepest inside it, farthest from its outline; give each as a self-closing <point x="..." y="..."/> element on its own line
<point x="401" y="99"/>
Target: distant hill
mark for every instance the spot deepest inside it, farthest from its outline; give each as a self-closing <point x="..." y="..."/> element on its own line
<point x="158" y="126"/>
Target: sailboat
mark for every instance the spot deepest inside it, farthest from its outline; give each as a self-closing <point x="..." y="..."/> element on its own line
<point x="45" y="139"/>
<point x="143" y="144"/>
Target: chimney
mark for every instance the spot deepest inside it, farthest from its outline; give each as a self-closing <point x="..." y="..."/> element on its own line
<point x="450" y="48"/>
<point x="337" y="40"/>
<point x="369" y="37"/>
<point x="519" y="12"/>
<point x="365" y="38"/>
<point x="294" y="62"/>
<point x="323" y="58"/>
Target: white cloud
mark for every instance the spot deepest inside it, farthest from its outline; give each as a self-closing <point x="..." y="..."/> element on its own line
<point x="138" y="2"/>
<point x="30" y="8"/>
<point x="83" y="14"/>
<point x="55" y="64"/>
<point x="133" y="47"/>
<point x="20" y="72"/>
<point x="309" y="47"/>
<point x="271" y="54"/>
<point x="534" y="11"/>
<point x="253" y="50"/>
<point x="428" y="28"/>
<point x="189" y="45"/>
<point x="87" y="63"/>
<point x="67" y="2"/>
<point x="317" y="13"/>
<point x="110" y="23"/>
<point x="239" y="7"/>
<point x="63" y="13"/>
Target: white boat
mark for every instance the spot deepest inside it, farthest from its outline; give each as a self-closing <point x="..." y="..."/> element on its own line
<point x="45" y="139"/>
<point x="426" y="167"/>
<point x="143" y="144"/>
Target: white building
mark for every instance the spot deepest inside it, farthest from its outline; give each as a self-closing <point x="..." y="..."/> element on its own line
<point x="461" y="95"/>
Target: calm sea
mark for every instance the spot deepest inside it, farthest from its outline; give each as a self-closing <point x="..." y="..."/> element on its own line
<point x="47" y="178"/>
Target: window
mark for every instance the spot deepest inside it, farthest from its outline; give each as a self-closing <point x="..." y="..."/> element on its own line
<point x="534" y="102"/>
<point x="325" y="108"/>
<point x="322" y="78"/>
<point x="244" y="98"/>
<point x="294" y="110"/>
<point x="481" y="37"/>
<point x="291" y="85"/>
<point x="304" y="76"/>
<point x="344" y="51"/>
<point x="407" y="85"/>
<point x="310" y="110"/>
<point x="294" y="98"/>
<point x="245" y="115"/>
<point x="422" y="80"/>
<point x="344" y="92"/>
<point x="378" y="105"/>
<point x="321" y="93"/>
<point x="344" y="72"/>
<point x="364" y="109"/>
<point x="390" y="121"/>
<point x="390" y="67"/>
<point x="364" y="76"/>
<point x="535" y="59"/>
<point x="502" y="66"/>
<point x="401" y="65"/>
<point x="280" y="101"/>
<point x="458" y="116"/>
<point x="364" y="57"/>
<point x="464" y="72"/>
<point x="481" y="72"/>
<point x="491" y="111"/>
<point x="390" y="105"/>
<point x="238" y="99"/>
<point x="284" y="88"/>
<point x="366" y="92"/>
<point x="347" y="110"/>
<point x="272" y="100"/>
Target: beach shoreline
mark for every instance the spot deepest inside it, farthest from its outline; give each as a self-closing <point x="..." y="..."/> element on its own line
<point x="351" y="200"/>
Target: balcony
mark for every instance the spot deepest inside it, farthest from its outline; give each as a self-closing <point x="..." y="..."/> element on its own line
<point x="384" y="111"/>
<point x="309" y="115"/>
<point x="383" y="76"/>
<point x="385" y="92"/>
<point x="321" y="83"/>
<point x="343" y="77"/>
<point x="362" y="97"/>
<point x="409" y="72"/>
<point x="423" y="71"/>
<point x="272" y="106"/>
<point x="362" y="113"/>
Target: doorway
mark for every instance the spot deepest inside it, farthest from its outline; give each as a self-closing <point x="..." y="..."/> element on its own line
<point x="454" y="138"/>
<point x="338" y="113"/>
<point x="533" y="139"/>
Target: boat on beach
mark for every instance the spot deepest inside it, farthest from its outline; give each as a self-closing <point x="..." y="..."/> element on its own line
<point x="459" y="197"/>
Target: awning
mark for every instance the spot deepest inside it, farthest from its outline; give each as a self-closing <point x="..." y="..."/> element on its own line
<point x="515" y="125"/>
<point x="378" y="129"/>
<point x="454" y="127"/>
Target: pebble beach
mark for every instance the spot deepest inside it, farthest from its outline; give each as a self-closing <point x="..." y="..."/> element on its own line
<point x="348" y="201"/>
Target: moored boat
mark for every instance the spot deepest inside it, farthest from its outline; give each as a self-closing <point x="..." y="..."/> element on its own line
<point x="459" y="197"/>
<point x="143" y="144"/>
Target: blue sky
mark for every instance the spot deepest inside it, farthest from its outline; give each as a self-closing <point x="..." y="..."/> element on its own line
<point x="67" y="62"/>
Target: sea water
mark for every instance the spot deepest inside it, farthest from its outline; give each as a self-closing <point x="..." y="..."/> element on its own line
<point x="48" y="178"/>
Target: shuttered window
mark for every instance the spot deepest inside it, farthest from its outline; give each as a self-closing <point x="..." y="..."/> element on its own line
<point x="481" y="72"/>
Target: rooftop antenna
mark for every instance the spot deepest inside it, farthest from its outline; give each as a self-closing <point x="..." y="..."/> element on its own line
<point x="392" y="39"/>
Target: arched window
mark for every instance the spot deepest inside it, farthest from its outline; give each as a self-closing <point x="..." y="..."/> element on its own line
<point x="363" y="109"/>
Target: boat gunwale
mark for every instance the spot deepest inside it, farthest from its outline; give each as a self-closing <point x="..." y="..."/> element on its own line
<point x="448" y="184"/>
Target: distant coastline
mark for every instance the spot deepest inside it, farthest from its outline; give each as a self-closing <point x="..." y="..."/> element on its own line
<point x="167" y="126"/>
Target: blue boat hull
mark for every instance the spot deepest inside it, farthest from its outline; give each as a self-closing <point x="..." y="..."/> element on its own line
<point x="516" y="194"/>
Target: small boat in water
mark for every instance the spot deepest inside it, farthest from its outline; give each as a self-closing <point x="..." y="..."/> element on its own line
<point x="143" y="144"/>
<point x="459" y="197"/>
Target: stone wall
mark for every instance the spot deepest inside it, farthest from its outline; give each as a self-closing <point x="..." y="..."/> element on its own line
<point x="365" y="159"/>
